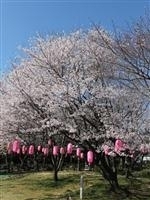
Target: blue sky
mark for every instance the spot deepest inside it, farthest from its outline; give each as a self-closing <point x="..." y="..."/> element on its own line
<point x="22" y="19"/>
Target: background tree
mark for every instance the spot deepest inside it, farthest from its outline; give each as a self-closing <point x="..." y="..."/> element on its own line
<point x="132" y="49"/>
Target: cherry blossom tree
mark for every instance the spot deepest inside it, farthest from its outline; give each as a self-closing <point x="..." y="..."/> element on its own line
<point x="66" y="86"/>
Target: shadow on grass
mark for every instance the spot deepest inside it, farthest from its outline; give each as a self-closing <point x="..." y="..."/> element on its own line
<point x="90" y="193"/>
<point x="30" y="199"/>
<point x="140" y="190"/>
<point x="49" y="183"/>
<point x="134" y="189"/>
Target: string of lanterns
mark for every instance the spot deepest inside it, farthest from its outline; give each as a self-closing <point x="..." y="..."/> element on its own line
<point x="15" y="147"/>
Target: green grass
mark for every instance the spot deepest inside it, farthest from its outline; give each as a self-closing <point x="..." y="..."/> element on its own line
<point x="40" y="186"/>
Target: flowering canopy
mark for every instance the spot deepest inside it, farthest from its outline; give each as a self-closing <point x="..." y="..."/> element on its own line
<point x="66" y="85"/>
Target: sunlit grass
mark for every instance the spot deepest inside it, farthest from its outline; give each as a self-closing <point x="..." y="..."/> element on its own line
<point x="40" y="186"/>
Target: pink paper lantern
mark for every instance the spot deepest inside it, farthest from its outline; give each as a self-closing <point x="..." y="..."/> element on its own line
<point x="82" y="155"/>
<point x="119" y="145"/>
<point x="43" y="150"/>
<point x="18" y="151"/>
<point x="24" y="149"/>
<point x="69" y="148"/>
<point x="39" y="148"/>
<point x="62" y="150"/>
<point x="55" y="150"/>
<point x="78" y="152"/>
<point x="15" y="146"/>
<point x="46" y="151"/>
<point x="31" y="149"/>
<point x="90" y="156"/>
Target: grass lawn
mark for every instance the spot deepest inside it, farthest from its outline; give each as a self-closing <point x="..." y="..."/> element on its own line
<point x="40" y="186"/>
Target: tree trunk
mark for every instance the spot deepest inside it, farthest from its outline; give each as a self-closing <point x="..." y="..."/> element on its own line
<point x="109" y="172"/>
<point x="114" y="182"/>
<point x="78" y="164"/>
<point x="55" y="175"/>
